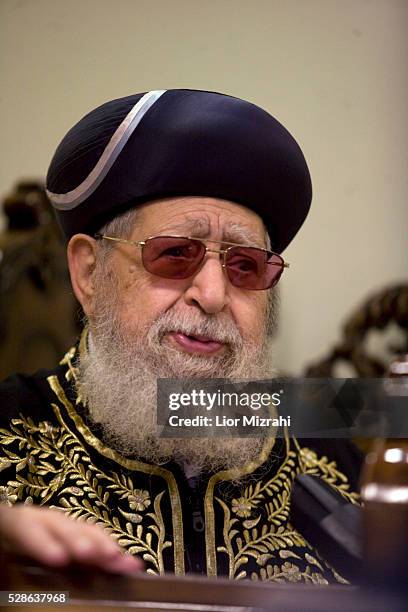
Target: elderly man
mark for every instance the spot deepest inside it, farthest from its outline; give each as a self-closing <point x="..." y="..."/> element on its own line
<point x="177" y="205"/>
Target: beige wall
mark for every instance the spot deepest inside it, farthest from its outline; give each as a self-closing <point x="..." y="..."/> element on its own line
<point x="333" y="71"/>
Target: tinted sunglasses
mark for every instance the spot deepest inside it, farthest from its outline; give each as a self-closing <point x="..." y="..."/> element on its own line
<point x="178" y="257"/>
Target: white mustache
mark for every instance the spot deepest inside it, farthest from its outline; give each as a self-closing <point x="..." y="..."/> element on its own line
<point x="224" y="331"/>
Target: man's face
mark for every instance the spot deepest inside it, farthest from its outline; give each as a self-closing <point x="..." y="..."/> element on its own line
<point x="144" y="326"/>
<point x="143" y="297"/>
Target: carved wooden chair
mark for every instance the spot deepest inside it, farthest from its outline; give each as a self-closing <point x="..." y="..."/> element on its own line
<point x="373" y="335"/>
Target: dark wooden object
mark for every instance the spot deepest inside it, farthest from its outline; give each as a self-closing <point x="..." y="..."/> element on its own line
<point x="95" y="590"/>
<point x="38" y="311"/>
<point x="376" y="313"/>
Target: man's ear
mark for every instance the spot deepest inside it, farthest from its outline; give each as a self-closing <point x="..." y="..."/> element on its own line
<point x="81" y="254"/>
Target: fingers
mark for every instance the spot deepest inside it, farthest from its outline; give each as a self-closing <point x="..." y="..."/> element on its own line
<point x="91" y="545"/>
<point x="24" y="532"/>
<point x="53" y="539"/>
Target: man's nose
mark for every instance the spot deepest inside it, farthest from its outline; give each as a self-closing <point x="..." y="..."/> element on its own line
<point x="209" y="286"/>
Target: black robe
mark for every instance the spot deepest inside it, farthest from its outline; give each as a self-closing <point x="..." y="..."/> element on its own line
<point x="51" y="454"/>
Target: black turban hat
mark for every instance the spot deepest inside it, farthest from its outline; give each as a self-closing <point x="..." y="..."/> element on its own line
<point x="179" y="142"/>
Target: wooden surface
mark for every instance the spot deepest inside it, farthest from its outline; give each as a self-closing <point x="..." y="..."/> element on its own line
<point x="89" y="590"/>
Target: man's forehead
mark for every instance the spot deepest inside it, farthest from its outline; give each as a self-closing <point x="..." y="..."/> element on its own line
<point x="201" y="228"/>
<point x="201" y="217"/>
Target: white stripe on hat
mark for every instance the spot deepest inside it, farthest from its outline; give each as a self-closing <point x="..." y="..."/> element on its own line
<point x="71" y="199"/>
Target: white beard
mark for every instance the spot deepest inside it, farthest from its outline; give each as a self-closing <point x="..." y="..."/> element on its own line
<point x="117" y="380"/>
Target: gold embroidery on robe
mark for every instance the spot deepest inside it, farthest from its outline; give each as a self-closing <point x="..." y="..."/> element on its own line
<point x="256" y="524"/>
<point x="61" y="470"/>
<point x="252" y="528"/>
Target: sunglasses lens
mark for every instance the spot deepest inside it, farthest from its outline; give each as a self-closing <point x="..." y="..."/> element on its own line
<point x="252" y="268"/>
<point x="171" y="257"/>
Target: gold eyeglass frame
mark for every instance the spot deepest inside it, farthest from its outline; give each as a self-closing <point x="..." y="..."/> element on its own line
<point x="141" y="243"/>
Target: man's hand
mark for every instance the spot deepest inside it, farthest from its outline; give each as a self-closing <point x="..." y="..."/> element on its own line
<point x="55" y="540"/>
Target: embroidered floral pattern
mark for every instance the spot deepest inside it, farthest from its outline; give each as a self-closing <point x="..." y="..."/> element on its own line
<point x="241" y="507"/>
<point x="7" y="496"/>
<point x="57" y="470"/>
<point x="291" y="572"/>
<point x="53" y="467"/>
<point x="270" y="537"/>
<point x="310" y="463"/>
<point x="140" y="500"/>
